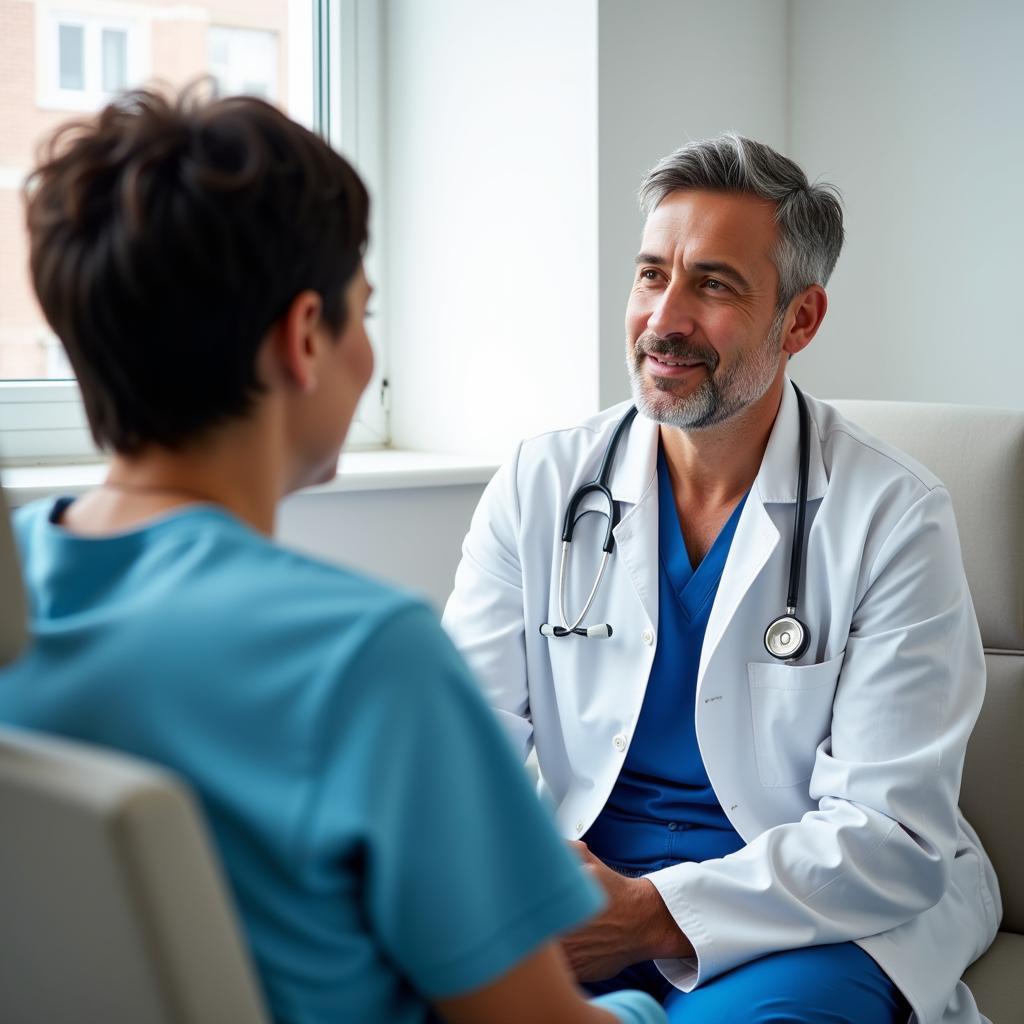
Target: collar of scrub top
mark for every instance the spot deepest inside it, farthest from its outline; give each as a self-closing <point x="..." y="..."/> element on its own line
<point x="636" y="470"/>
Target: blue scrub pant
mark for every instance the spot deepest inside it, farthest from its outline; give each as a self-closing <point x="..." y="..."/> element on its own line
<point x="837" y="984"/>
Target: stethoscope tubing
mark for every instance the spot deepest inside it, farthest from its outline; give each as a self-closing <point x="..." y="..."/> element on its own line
<point x="564" y="561"/>
<point x="797" y="548"/>
<point x="786" y="637"/>
<point x="599" y="486"/>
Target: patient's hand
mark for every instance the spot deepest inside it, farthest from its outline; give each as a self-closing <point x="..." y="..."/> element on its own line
<point x="635" y="926"/>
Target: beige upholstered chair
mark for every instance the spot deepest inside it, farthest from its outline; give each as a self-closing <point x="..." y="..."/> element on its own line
<point x="979" y="455"/>
<point x="112" y="906"/>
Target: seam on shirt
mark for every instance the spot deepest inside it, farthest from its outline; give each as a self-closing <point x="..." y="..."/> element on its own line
<point x="517" y="506"/>
<point x="572" y="428"/>
<point x="872" y="574"/>
<point x="943" y="710"/>
<point x="839" y="428"/>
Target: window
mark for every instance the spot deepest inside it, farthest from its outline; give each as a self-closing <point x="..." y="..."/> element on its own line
<point x="83" y="57"/>
<point x="244" y="60"/>
<point x="314" y="58"/>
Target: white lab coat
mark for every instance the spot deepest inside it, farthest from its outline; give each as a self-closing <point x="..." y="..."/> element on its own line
<point x="841" y="773"/>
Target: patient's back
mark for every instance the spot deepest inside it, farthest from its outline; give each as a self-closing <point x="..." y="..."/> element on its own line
<point x="381" y="843"/>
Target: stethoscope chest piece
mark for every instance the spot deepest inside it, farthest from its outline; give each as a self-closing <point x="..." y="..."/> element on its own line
<point x="786" y="638"/>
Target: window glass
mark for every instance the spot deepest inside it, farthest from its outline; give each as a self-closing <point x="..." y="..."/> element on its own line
<point x="115" y="59"/>
<point x="72" y="56"/>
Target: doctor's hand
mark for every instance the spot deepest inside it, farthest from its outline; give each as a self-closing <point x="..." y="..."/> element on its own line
<point x="635" y="926"/>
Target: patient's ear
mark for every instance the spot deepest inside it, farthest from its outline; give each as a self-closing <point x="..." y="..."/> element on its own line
<point x="295" y="341"/>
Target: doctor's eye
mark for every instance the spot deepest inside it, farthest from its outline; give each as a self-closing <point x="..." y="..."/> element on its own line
<point x="712" y="284"/>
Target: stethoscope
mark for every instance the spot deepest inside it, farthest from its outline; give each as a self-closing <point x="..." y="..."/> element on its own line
<point x="786" y="637"/>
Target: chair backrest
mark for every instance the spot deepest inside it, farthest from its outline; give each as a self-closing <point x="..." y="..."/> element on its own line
<point x="13" y="631"/>
<point x="979" y="455"/>
<point x="112" y="907"/>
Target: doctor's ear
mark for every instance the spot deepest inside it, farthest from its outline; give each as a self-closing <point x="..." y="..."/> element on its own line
<point x="296" y="340"/>
<point x="804" y="318"/>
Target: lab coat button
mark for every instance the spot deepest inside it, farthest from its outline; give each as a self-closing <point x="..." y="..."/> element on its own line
<point x="647" y="636"/>
<point x="579" y="827"/>
<point x="619" y="742"/>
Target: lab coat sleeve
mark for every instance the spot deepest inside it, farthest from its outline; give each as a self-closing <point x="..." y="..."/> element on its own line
<point x="484" y="615"/>
<point x="879" y="847"/>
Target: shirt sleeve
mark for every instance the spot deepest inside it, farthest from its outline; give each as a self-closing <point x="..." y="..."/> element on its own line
<point x="463" y="874"/>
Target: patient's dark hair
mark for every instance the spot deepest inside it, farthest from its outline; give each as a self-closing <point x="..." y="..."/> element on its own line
<point x="167" y="236"/>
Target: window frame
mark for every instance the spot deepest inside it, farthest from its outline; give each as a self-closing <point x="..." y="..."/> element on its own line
<point x="43" y="421"/>
<point x="350" y="117"/>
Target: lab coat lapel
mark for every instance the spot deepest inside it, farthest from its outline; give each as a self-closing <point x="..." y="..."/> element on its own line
<point x="756" y="535"/>
<point x="753" y="543"/>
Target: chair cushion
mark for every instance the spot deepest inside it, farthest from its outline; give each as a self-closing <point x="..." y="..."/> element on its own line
<point x="993" y="785"/>
<point x="997" y="979"/>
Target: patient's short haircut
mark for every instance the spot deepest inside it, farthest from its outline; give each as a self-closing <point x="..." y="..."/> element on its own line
<point x="167" y="236"/>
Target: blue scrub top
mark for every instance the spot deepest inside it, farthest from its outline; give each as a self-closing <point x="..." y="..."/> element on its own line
<point x="662" y="809"/>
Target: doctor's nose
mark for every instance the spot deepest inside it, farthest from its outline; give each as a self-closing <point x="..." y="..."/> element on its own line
<point x="673" y="313"/>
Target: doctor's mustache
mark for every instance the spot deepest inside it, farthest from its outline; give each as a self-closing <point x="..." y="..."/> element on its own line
<point x="674" y="348"/>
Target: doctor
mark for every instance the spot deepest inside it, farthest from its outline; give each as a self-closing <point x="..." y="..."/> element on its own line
<point x="754" y="726"/>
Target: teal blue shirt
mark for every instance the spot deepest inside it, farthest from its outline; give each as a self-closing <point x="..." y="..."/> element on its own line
<point x="382" y="844"/>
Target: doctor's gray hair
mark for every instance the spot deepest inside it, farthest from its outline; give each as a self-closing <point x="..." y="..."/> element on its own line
<point x="810" y="217"/>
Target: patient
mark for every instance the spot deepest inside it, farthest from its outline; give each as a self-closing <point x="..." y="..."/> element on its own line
<point x="202" y="264"/>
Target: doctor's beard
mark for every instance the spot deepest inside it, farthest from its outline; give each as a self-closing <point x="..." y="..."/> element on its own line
<point x="716" y="398"/>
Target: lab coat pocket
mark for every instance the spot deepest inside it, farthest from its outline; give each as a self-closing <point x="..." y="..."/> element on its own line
<point x="791" y="708"/>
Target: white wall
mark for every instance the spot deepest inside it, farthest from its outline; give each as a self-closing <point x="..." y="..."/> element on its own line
<point x="671" y="71"/>
<point x="411" y="537"/>
<point x="517" y="136"/>
<point x="913" y="108"/>
<point x="491" y="181"/>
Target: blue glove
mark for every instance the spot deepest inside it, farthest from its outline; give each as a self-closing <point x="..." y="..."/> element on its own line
<point x="632" y="1007"/>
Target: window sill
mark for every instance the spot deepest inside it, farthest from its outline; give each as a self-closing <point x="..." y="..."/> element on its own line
<point x="382" y="470"/>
